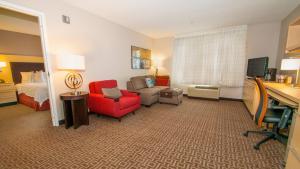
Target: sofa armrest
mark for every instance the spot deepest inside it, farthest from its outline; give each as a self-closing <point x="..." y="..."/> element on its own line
<point x="130" y="86"/>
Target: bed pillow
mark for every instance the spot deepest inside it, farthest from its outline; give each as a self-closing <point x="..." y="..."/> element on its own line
<point x="38" y="77"/>
<point x="149" y="82"/>
<point x="26" y="77"/>
<point x="44" y="77"/>
<point x="113" y="93"/>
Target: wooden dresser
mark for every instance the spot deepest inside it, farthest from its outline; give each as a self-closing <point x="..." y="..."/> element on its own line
<point x="7" y="94"/>
<point x="251" y="95"/>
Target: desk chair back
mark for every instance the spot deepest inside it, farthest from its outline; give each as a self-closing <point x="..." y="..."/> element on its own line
<point x="263" y="103"/>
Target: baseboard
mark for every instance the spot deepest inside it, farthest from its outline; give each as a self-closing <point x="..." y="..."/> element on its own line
<point x="61" y="122"/>
<point x="220" y="98"/>
<point x="8" y="104"/>
<point x="203" y="98"/>
<point x="231" y="99"/>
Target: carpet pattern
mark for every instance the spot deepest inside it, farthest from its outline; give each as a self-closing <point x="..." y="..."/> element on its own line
<point x="197" y="134"/>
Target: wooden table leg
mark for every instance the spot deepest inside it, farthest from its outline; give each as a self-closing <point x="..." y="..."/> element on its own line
<point x="68" y="113"/>
<point x="80" y="114"/>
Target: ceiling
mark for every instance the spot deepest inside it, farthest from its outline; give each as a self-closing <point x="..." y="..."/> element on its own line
<point x="163" y="18"/>
<point x="18" y="22"/>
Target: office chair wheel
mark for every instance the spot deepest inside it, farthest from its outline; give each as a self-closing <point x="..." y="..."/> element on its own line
<point x="245" y="134"/>
<point x="256" y="147"/>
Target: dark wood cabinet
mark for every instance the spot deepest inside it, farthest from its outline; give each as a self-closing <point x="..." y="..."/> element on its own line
<point x="75" y="109"/>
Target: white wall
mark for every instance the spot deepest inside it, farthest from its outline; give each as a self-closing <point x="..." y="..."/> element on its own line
<point x="262" y="40"/>
<point x="106" y="45"/>
<point x="162" y="49"/>
<point x="16" y="22"/>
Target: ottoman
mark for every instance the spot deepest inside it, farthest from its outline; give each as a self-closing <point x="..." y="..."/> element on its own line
<point x="171" y="96"/>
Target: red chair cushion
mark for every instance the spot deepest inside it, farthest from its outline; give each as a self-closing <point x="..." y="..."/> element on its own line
<point x="126" y="102"/>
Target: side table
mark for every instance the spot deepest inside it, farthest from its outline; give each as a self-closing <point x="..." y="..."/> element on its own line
<point x="75" y="109"/>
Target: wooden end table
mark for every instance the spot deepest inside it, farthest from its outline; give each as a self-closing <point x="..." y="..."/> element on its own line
<point x="75" y="109"/>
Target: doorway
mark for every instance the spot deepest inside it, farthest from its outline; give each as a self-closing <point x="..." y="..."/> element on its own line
<point x="45" y="68"/>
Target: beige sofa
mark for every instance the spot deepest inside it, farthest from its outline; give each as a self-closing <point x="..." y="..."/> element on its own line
<point x="148" y="95"/>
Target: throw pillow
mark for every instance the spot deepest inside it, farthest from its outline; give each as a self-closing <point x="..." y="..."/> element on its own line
<point x="26" y="77"/>
<point x="38" y="77"/>
<point x="149" y="82"/>
<point x="113" y="93"/>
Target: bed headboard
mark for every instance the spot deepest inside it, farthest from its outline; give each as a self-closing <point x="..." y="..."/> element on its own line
<point x="17" y="67"/>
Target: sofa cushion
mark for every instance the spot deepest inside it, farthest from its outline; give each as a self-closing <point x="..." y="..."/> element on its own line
<point x="138" y="82"/>
<point x="149" y="91"/>
<point x="126" y="101"/>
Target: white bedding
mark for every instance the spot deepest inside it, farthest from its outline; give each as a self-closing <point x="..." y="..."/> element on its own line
<point x="39" y="91"/>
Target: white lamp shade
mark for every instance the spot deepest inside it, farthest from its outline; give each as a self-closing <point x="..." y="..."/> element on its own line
<point x="290" y="64"/>
<point x="70" y="62"/>
<point x="2" y="64"/>
<point x="157" y="62"/>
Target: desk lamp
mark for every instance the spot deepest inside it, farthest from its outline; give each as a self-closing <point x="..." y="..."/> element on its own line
<point x="2" y="64"/>
<point x="156" y="64"/>
<point x="72" y="63"/>
<point x="292" y="64"/>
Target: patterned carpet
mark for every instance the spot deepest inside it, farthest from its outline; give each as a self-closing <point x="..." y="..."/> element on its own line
<point x="197" y="134"/>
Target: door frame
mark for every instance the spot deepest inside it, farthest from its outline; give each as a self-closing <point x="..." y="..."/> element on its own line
<point x="48" y="68"/>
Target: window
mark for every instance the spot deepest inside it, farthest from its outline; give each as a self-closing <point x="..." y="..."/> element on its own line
<point x="211" y="58"/>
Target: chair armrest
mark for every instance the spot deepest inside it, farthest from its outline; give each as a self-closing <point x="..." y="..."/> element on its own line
<point x="129" y="93"/>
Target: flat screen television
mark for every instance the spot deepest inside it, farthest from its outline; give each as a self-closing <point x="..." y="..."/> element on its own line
<point x="257" y="67"/>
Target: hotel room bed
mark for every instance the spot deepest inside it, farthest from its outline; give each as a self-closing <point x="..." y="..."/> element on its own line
<point x="34" y="95"/>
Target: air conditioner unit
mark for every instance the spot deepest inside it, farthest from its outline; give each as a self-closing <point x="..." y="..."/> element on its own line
<point x="204" y="91"/>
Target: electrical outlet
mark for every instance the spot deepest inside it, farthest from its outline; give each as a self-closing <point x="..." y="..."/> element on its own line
<point x="66" y="19"/>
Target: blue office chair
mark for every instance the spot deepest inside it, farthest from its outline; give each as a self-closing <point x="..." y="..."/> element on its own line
<point x="279" y="116"/>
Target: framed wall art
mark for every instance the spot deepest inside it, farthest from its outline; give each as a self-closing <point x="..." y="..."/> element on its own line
<point x="140" y="58"/>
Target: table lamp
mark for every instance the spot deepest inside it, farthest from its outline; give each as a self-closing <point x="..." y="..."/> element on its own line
<point x="156" y="63"/>
<point x="2" y="64"/>
<point x="291" y="64"/>
<point x="72" y="63"/>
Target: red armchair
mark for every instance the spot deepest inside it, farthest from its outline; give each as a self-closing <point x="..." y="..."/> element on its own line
<point x="128" y="102"/>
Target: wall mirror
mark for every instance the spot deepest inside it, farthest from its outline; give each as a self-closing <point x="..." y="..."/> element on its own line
<point x="293" y="40"/>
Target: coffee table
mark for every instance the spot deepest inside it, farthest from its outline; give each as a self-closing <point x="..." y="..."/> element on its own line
<point x="171" y="96"/>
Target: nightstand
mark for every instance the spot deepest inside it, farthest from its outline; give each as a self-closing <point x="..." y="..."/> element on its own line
<point x="8" y="94"/>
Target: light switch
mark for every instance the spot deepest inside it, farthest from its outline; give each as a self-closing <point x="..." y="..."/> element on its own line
<point x="66" y="19"/>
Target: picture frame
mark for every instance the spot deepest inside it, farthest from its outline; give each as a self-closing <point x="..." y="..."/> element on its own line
<point x="140" y="58"/>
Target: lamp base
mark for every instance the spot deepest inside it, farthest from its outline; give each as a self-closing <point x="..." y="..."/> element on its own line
<point x="76" y="93"/>
<point x="74" y="81"/>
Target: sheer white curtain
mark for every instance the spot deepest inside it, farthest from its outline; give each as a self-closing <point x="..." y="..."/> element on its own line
<point x="210" y="58"/>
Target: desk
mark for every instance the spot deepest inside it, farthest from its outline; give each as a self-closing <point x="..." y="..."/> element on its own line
<point x="290" y="96"/>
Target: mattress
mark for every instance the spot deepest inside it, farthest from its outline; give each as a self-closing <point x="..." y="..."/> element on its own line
<point x="38" y="91"/>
